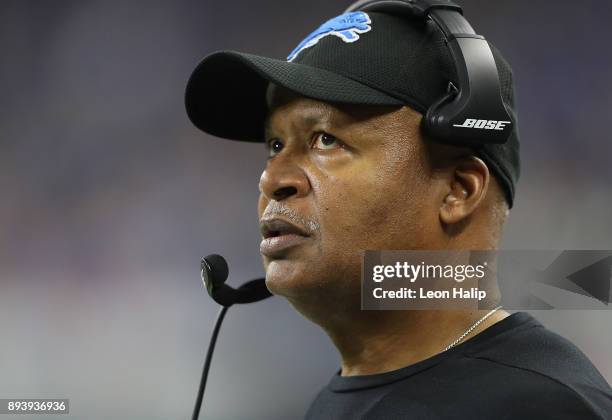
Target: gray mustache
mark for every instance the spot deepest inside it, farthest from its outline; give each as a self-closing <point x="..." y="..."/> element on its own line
<point x="277" y="208"/>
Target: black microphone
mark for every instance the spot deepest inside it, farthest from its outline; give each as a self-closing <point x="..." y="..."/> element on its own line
<point x="214" y="272"/>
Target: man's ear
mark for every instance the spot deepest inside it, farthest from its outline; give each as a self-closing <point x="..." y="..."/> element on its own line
<point x="468" y="185"/>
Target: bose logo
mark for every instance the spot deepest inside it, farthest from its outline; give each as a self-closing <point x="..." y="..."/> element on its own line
<point x="483" y="124"/>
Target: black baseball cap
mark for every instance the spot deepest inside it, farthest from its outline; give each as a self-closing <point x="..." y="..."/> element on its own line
<point x="367" y="58"/>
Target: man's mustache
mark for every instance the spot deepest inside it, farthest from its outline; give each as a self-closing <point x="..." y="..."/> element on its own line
<point x="278" y="208"/>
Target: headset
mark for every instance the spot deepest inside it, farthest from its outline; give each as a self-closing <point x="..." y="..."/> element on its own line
<point x="475" y="104"/>
<point x="472" y="113"/>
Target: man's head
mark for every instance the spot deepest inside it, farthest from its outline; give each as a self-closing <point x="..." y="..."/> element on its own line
<point x="355" y="177"/>
<point x="349" y="163"/>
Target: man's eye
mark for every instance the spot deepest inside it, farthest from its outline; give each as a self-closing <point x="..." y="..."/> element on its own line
<point x="325" y="141"/>
<point x="274" y="147"/>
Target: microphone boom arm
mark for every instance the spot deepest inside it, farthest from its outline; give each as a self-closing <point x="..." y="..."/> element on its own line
<point x="214" y="272"/>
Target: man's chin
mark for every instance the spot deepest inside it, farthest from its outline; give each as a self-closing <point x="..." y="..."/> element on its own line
<point x="287" y="277"/>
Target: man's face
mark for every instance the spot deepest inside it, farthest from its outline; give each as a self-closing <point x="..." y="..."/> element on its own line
<point x="353" y="178"/>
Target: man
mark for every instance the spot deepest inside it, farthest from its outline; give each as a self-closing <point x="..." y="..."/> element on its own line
<point x="350" y="169"/>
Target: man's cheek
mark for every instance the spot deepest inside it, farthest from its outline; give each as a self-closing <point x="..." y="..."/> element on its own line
<point x="358" y="223"/>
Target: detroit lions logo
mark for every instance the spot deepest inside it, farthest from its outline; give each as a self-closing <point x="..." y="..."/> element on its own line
<point x="347" y="27"/>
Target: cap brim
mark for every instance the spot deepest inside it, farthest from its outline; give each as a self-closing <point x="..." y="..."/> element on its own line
<point x="226" y="93"/>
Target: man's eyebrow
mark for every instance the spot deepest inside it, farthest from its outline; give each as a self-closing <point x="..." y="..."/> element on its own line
<point x="315" y="116"/>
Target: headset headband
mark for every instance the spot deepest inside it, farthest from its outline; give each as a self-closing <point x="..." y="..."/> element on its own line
<point x="472" y="113"/>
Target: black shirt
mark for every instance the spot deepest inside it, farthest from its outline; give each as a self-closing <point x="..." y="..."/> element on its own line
<point x="515" y="369"/>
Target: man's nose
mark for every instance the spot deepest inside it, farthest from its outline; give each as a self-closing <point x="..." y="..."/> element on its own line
<point x="281" y="180"/>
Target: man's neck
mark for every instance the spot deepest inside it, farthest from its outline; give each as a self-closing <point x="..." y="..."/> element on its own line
<point x="384" y="341"/>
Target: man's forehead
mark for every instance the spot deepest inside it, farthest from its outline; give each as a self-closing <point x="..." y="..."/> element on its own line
<point x="296" y="109"/>
<point x="311" y="111"/>
<point x="277" y="96"/>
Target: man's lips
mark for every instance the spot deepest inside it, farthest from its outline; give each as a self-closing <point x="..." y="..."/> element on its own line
<point x="276" y="227"/>
<point x="278" y="235"/>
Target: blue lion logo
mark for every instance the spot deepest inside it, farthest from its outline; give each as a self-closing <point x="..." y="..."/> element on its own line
<point x="347" y="27"/>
